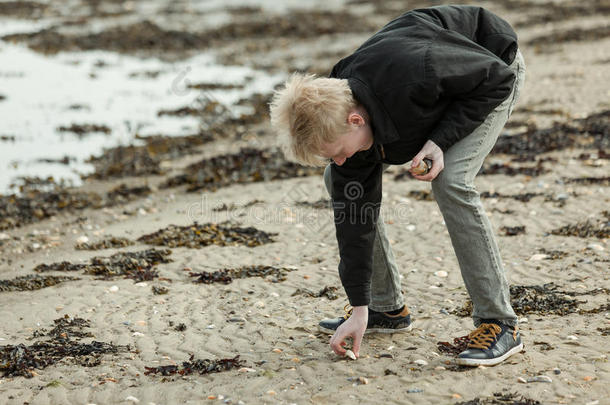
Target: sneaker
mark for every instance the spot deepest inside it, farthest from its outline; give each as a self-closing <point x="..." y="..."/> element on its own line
<point x="491" y="343"/>
<point x="381" y="322"/>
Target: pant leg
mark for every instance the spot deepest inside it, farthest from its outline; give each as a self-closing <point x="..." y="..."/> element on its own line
<point x="468" y="225"/>
<point x="385" y="282"/>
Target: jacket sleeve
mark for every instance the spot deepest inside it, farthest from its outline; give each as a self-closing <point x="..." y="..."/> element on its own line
<point x="356" y="195"/>
<point x="473" y="79"/>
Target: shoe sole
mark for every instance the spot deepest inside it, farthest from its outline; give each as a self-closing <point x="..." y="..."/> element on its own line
<point x="372" y="330"/>
<point x="489" y="362"/>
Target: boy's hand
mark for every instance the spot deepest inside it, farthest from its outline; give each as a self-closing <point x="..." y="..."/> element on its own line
<point x="354" y="327"/>
<point x="431" y="151"/>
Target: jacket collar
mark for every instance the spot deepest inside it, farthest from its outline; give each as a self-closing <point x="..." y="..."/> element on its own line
<point x="382" y="125"/>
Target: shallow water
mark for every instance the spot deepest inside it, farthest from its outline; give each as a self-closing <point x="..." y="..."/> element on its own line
<point x="40" y="90"/>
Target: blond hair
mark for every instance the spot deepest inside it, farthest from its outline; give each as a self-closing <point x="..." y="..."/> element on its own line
<point x="309" y="112"/>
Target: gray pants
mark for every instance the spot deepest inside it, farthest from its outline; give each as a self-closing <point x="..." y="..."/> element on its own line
<point x="469" y="228"/>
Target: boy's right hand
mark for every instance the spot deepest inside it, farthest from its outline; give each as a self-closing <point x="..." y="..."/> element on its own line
<point x="353" y="327"/>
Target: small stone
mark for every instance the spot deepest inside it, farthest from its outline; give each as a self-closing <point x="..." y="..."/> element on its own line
<point x="556" y="371"/>
<point x="410" y="228"/>
<point x="141" y="284"/>
<point x="277" y="350"/>
<point x="210" y="326"/>
<point x="350" y="354"/>
<point x="523" y="320"/>
<point x="132" y="399"/>
<point x="271" y="392"/>
<point x="588" y="378"/>
<point x="444" y="311"/>
<point x="421" y="362"/>
<point x="237" y="319"/>
<point x="596" y="247"/>
<point x="246" y="370"/>
<point x="4" y="236"/>
<point x="82" y="239"/>
<point x="522" y="380"/>
<point x="439" y="368"/>
<point x="456" y="396"/>
<point x="274" y="294"/>
<point x="540" y="378"/>
<point x="571" y="337"/>
<point x="211" y="396"/>
<point x="414" y="390"/>
<point x="441" y="273"/>
<point x="295" y="360"/>
<point x="114" y="288"/>
<point x="137" y="334"/>
<point x="596" y="402"/>
<point x="538" y="256"/>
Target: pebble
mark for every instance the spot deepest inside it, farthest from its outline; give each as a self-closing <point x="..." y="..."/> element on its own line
<point x="538" y="256"/>
<point x="441" y="273"/>
<point x="274" y="294"/>
<point x="444" y="311"/>
<point x="522" y="380"/>
<point x="595" y="246"/>
<point x="571" y="337"/>
<point x="137" y="334"/>
<point x="132" y="399"/>
<point x="556" y="371"/>
<point x="523" y="320"/>
<point x="246" y="370"/>
<point x="4" y="236"/>
<point x="414" y="390"/>
<point x="237" y="319"/>
<point x="141" y="284"/>
<point x="410" y="228"/>
<point x="540" y="378"/>
<point x="596" y="402"/>
<point x="421" y="362"/>
<point x="271" y="392"/>
<point x="114" y="288"/>
<point x="439" y="368"/>
<point x="210" y="326"/>
<point x="589" y="378"/>
<point x="82" y="239"/>
<point x="350" y="354"/>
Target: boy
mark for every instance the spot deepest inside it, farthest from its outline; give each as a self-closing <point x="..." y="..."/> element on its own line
<point x="436" y="83"/>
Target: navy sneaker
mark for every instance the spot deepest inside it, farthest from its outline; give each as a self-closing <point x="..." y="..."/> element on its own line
<point x="380" y="322"/>
<point x="491" y="343"/>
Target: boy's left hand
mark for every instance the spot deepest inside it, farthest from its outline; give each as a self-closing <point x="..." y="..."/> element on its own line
<point x="431" y="151"/>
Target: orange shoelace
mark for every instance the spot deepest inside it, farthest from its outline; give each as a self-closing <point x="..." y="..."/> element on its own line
<point x="483" y="336"/>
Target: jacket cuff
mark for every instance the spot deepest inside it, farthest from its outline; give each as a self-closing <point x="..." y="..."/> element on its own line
<point x="358" y="295"/>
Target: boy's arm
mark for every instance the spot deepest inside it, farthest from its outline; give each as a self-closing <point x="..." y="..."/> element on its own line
<point x="356" y="192"/>
<point x="475" y="80"/>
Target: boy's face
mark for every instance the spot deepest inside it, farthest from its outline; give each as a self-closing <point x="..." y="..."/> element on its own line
<point x="358" y="138"/>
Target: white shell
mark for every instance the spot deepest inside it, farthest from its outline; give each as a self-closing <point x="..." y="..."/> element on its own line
<point x="350" y="354"/>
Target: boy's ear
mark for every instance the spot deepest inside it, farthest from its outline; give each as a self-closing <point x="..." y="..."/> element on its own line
<point x="355" y="118"/>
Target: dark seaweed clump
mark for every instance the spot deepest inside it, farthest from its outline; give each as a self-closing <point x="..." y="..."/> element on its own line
<point x="198" y="236"/>
<point x="590" y="132"/>
<point x="191" y="366"/>
<point x="122" y="161"/>
<point x="523" y="197"/>
<point x="603" y="181"/>
<point x="159" y="290"/>
<point x="248" y="166"/>
<point x="422" y="195"/>
<point x="233" y="206"/>
<point x="513" y="230"/>
<point x="61" y="344"/>
<point x="32" y="282"/>
<point x="226" y="276"/>
<point x="110" y="243"/>
<point x="135" y="265"/>
<point x="319" y="204"/>
<point x="458" y="346"/>
<point x="599" y="229"/>
<point x="543" y="42"/>
<point x="553" y="254"/>
<point x="83" y="129"/>
<point x="508" y="169"/>
<point x="328" y="292"/>
<point x="43" y="198"/>
<point x="539" y="299"/>
<point x="499" y="398"/>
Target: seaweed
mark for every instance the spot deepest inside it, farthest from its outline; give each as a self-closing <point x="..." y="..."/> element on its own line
<point x="523" y="197"/>
<point x="205" y="366"/>
<point x="247" y="166"/>
<point x="498" y="398"/>
<point x="198" y="236"/>
<point x="587" y="181"/>
<point x="599" y="229"/>
<point x="83" y="129"/>
<point x="458" y="346"/>
<point x="32" y="282"/>
<point x="110" y="243"/>
<point x="135" y="265"/>
<point x="322" y="203"/>
<point x="61" y="344"/>
<point x="328" y="292"/>
<point x="226" y="276"/>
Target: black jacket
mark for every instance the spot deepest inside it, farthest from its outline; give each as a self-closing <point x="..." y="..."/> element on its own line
<point x="433" y="73"/>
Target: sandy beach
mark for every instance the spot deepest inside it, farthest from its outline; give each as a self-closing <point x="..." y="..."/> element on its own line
<point x="226" y="247"/>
